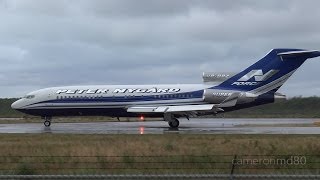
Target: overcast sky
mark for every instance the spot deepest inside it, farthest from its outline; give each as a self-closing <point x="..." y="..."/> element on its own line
<point x="81" y="42"/>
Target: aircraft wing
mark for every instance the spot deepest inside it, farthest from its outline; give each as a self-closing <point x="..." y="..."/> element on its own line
<point x="166" y="109"/>
<point x="193" y="109"/>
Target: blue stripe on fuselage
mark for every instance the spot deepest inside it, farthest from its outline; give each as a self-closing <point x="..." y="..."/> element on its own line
<point x="173" y="96"/>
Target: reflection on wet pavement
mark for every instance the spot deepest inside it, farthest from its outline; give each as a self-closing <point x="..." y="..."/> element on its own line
<point x="194" y="126"/>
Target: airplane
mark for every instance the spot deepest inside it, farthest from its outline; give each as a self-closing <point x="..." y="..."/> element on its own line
<point x="220" y="92"/>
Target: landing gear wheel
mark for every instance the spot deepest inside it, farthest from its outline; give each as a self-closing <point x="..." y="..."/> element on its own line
<point x="174" y="123"/>
<point x="47" y="123"/>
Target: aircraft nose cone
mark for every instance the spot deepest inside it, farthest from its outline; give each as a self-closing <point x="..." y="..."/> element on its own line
<point x="16" y="104"/>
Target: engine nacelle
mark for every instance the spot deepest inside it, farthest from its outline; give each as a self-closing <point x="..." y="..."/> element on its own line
<point x="216" y="96"/>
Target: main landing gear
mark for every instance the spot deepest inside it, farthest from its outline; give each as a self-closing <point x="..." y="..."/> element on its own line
<point x="47" y="121"/>
<point x="172" y="121"/>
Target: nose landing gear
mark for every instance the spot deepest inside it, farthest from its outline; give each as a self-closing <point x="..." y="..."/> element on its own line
<point x="47" y="121"/>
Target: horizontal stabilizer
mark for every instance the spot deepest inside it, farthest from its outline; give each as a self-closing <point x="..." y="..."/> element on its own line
<point x="216" y="76"/>
<point x="299" y="54"/>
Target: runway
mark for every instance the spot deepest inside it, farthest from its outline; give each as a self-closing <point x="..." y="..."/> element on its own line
<point x="194" y="126"/>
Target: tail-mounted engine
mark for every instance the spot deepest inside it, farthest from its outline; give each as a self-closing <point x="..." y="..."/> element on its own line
<point x="215" y="96"/>
<point x="227" y="98"/>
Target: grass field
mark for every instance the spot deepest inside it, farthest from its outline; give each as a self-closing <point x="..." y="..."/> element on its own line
<point x="65" y="154"/>
<point x="167" y="144"/>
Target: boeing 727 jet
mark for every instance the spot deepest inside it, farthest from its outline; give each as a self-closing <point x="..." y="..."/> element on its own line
<point x="220" y="92"/>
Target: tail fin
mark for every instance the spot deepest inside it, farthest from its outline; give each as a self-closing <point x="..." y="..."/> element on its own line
<point x="269" y="73"/>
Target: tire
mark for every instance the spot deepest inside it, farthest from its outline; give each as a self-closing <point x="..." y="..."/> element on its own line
<point x="47" y="123"/>
<point x="174" y="123"/>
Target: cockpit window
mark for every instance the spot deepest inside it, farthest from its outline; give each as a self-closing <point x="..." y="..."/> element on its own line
<point x="29" y="96"/>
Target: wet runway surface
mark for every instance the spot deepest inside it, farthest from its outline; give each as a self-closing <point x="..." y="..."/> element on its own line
<point x="194" y="126"/>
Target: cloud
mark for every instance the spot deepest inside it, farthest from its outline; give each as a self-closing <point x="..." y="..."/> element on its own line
<point x="53" y="43"/>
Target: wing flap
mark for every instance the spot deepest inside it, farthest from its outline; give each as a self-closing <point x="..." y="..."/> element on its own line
<point x="164" y="109"/>
<point x="204" y="107"/>
<point x="139" y="109"/>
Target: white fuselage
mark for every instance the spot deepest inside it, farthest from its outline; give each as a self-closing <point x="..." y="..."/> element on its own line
<point x="108" y="97"/>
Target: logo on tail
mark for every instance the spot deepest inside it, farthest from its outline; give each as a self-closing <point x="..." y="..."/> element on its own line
<point x="258" y="76"/>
